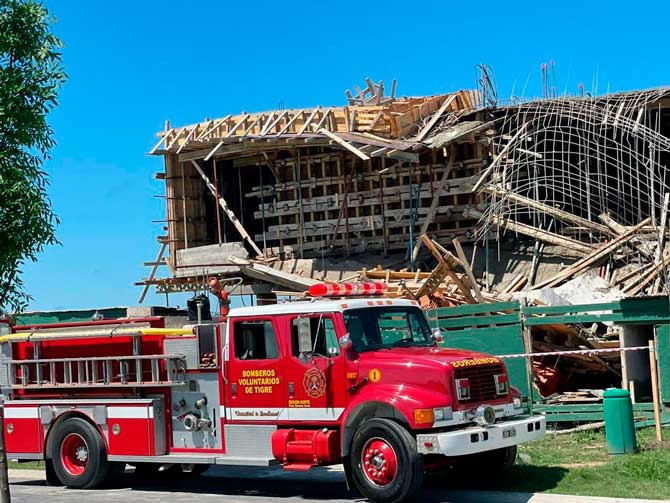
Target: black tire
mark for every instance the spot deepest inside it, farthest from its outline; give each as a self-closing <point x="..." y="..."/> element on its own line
<point x="74" y="472"/>
<point x="400" y="448"/>
<point x="52" y="478"/>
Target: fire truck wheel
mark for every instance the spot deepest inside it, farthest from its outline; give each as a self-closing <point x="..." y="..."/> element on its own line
<point x="385" y="464"/>
<point x="78" y="454"/>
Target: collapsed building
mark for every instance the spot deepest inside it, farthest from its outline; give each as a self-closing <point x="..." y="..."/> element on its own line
<point x="451" y="199"/>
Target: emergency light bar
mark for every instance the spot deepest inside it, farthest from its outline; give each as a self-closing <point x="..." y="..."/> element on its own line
<point x="346" y="289"/>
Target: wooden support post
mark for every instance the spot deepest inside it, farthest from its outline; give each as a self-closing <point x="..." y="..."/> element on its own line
<point x="229" y="213"/>
<point x="565" y="216"/>
<point x="433" y="208"/>
<point x="593" y="259"/>
<point x="436" y="116"/>
<point x="473" y="281"/>
<point x="465" y="291"/>
<point x="156" y="263"/>
<point x="344" y="143"/>
<point x="654" y="390"/>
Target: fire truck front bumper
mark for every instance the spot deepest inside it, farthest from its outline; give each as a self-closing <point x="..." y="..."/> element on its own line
<point x="482" y="438"/>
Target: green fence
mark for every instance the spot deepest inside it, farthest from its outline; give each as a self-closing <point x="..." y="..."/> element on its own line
<point x="498" y="329"/>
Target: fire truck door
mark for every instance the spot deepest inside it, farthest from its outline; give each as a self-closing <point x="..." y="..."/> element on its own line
<point x="315" y="378"/>
<point x="255" y="389"/>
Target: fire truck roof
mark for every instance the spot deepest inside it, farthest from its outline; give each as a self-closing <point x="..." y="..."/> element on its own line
<point x="318" y="306"/>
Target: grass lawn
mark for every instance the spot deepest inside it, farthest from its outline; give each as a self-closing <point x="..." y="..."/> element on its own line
<point x="578" y="464"/>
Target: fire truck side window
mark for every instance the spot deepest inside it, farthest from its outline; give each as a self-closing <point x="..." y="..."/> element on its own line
<point x="255" y="340"/>
<point x="323" y="334"/>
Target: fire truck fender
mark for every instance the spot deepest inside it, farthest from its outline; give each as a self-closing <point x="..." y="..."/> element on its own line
<point x="396" y="402"/>
<point x="67" y="415"/>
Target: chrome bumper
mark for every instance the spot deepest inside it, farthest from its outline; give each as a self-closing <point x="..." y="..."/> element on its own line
<point x="482" y="438"/>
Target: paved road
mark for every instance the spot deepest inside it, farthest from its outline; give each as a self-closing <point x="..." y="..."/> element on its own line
<point x="233" y="485"/>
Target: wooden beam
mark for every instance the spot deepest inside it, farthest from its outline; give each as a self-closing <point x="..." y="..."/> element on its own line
<point x="271" y="275"/>
<point x="436" y="116"/>
<point x="237" y="124"/>
<point x="446" y="269"/>
<point x="344" y="144"/>
<point x="160" y="142"/>
<point x="213" y="151"/>
<point x="473" y="281"/>
<point x="542" y="235"/>
<point x="152" y="274"/>
<point x="308" y="121"/>
<point x="565" y="216"/>
<point x="594" y="258"/>
<point x="188" y="137"/>
<point x="290" y="121"/>
<point x="229" y="213"/>
<point x="433" y="208"/>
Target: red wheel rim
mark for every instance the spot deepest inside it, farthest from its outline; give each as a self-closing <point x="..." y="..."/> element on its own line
<point x="380" y="463"/>
<point x="74" y="454"/>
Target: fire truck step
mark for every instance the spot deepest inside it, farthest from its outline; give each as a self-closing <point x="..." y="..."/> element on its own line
<point x="210" y="459"/>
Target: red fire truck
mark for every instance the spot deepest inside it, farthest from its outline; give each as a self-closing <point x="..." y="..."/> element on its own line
<point x="357" y="381"/>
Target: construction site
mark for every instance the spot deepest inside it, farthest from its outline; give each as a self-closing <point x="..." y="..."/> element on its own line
<point x="505" y="212"/>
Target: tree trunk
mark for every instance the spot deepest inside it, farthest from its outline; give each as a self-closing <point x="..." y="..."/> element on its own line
<point x="5" y="497"/>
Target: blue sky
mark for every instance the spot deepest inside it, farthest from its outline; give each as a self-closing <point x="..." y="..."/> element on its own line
<point x="132" y="65"/>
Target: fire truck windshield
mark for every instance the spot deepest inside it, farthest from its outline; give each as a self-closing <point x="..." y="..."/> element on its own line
<point x="387" y="327"/>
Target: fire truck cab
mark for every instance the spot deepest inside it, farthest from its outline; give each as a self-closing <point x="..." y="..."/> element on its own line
<point x="358" y="381"/>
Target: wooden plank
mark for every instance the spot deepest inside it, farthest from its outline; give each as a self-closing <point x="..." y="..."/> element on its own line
<point x="594" y="258"/>
<point x="654" y="390"/>
<point x="213" y="151"/>
<point x="433" y="208"/>
<point x="237" y="125"/>
<point x="229" y="213"/>
<point x="308" y="121"/>
<point x="543" y="235"/>
<point x="290" y="122"/>
<point x="275" y="276"/>
<point x="464" y="290"/>
<point x="436" y="116"/>
<point x="466" y="266"/>
<point x="565" y="216"/>
<point x="344" y="144"/>
<point x="186" y="140"/>
<point x="152" y="274"/>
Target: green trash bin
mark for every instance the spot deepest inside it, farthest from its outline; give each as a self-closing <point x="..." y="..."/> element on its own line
<point x="619" y="422"/>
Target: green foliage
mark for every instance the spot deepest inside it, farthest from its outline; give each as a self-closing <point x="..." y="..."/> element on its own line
<point x="30" y="77"/>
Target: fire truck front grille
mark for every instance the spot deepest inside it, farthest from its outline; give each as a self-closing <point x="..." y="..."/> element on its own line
<point x="482" y="383"/>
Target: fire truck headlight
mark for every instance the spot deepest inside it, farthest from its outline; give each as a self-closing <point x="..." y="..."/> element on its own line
<point x="517" y="402"/>
<point x="424" y="416"/>
<point x="443" y="414"/>
<point x="485" y="415"/>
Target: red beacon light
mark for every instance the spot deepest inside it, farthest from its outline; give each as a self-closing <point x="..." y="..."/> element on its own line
<point x="347" y="289"/>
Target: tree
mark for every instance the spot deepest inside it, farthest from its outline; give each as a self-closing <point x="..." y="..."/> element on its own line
<point x="31" y="75"/>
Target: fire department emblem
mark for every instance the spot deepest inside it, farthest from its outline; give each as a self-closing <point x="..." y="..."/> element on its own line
<point x="314" y="383"/>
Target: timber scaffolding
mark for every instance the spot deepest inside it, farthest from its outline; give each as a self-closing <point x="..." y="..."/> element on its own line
<point x="450" y="198"/>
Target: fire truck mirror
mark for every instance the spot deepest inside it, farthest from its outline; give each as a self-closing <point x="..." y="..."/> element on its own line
<point x="345" y="341"/>
<point x="304" y="335"/>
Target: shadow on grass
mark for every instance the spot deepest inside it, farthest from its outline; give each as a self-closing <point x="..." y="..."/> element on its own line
<point x="520" y="478"/>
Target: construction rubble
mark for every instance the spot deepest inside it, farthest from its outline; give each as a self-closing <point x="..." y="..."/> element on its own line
<point x="450" y="199"/>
